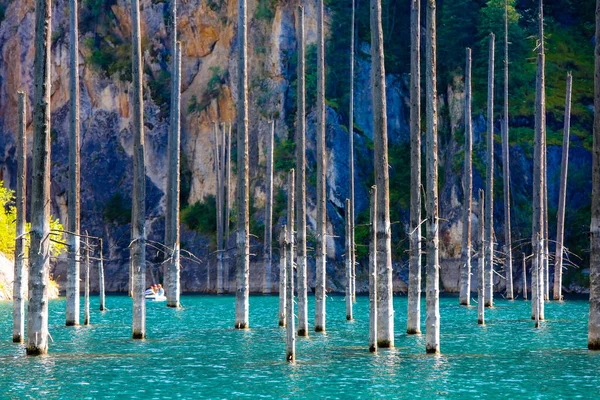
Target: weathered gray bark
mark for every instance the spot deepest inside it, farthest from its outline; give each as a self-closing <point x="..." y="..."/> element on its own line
<point x="351" y="147"/>
<point x="373" y="273"/>
<point x="282" y="275"/>
<point x="321" y="257"/>
<point x="101" y="285"/>
<point x="138" y="212"/>
<point x="289" y="245"/>
<point x="489" y="201"/>
<point x="385" y="311"/>
<point x="173" y="286"/>
<point x="268" y="248"/>
<point x="545" y="276"/>
<point x="301" y="179"/>
<point x="562" y="197"/>
<point x="594" y="316"/>
<point x="432" y="320"/>
<point x="481" y="267"/>
<point x="414" y="268"/>
<point x="243" y="228"/>
<point x="348" y="261"/>
<point x="538" y="299"/>
<point x="18" y="284"/>
<point x="524" y="278"/>
<point x="73" y="204"/>
<point x="219" y="198"/>
<point x="39" y="255"/>
<point x="227" y="211"/>
<point x="506" y="171"/>
<point x="465" y="275"/>
<point x="86" y="302"/>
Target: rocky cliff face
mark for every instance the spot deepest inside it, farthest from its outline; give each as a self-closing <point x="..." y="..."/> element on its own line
<point x="207" y="30"/>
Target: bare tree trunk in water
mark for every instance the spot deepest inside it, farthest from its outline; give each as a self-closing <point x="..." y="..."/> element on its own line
<point x="268" y="248"/>
<point x="301" y="181"/>
<point x="351" y="147"/>
<point x="39" y="255"/>
<point x="243" y="229"/>
<point x="562" y="197"/>
<point x="373" y="273"/>
<point x="481" y="267"/>
<point x="18" y="284"/>
<point x="73" y="206"/>
<point x="524" y="277"/>
<point x="138" y="213"/>
<point x="348" y="262"/>
<point x="594" y="316"/>
<point x="414" y="268"/>
<point x="385" y="305"/>
<point x="101" y="285"/>
<point x="465" y="276"/>
<point x="432" y="321"/>
<point x="506" y="170"/>
<point x="219" y="200"/>
<point x="321" y="257"/>
<point x="282" y="275"/>
<point x="227" y="266"/>
<point x="86" y="303"/>
<point x="489" y="201"/>
<point x="289" y="245"/>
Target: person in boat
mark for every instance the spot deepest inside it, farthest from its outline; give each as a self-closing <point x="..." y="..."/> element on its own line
<point x="150" y="291"/>
<point x="161" y="291"/>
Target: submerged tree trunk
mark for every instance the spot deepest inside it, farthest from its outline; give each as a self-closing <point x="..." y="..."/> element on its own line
<point x="594" y="316"/>
<point x="219" y="200"/>
<point x="481" y="267"/>
<point x="289" y="248"/>
<point x="414" y="268"/>
<point x="73" y="209"/>
<point x="562" y="197"/>
<point x="268" y="248"/>
<point x="524" y="277"/>
<point x="138" y="213"/>
<point x="385" y="311"/>
<point x="301" y="181"/>
<point x="432" y="320"/>
<point x="489" y="201"/>
<point x="349" y="316"/>
<point x="321" y="258"/>
<point x="39" y="255"/>
<point x="227" y="267"/>
<point x="101" y="286"/>
<point x="86" y="307"/>
<point x="465" y="276"/>
<point x="373" y="273"/>
<point x="351" y="147"/>
<point x="243" y="212"/>
<point x="18" y="284"/>
<point x="282" y="275"/>
<point x="173" y="183"/>
<point x="506" y="170"/>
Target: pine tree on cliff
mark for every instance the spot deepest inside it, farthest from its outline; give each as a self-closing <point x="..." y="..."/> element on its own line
<point x="138" y="212"/>
<point x="432" y="321"/>
<point x="489" y="201"/>
<point x="20" y="263"/>
<point x="506" y="170"/>
<point x="173" y="179"/>
<point x="73" y="209"/>
<point x="301" y="178"/>
<point x="465" y="275"/>
<point x="320" y="295"/>
<point x="268" y="247"/>
<point x="414" y="272"/>
<point x="594" y="317"/>
<point x="243" y="212"/>
<point x="39" y="254"/>
<point x="385" y="312"/>
<point x="562" y="197"/>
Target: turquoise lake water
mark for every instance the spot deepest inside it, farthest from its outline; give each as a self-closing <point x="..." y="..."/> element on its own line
<point x="196" y="353"/>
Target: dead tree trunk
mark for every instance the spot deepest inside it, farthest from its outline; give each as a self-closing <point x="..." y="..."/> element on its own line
<point x="73" y="209"/>
<point x="524" y="277"/>
<point x="489" y="201"/>
<point x="321" y="258"/>
<point x="282" y="275"/>
<point x="86" y="303"/>
<point x="268" y="248"/>
<point x="227" y="211"/>
<point x="101" y="279"/>
<point x="506" y="170"/>
<point x="432" y="320"/>
<point x="414" y="269"/>
<point x="243" y="228"/>
<point x="465" y="276"/>
<point x="39" y="255"/>
<point x="138" y="213"/>
<point x="562" y="197"/>
<point x="594" y="316"/>
<point x="373" y="273"/>
<point x="289" y="245"/>
<point x="349" y="316"/>
<point x="301" y="179"/>
<point x="173" y="183"/>
<point x="351" y="147"/>
<point x="219" y="200"/>
<point x="481" y="267"/>
<point x="18" y="284"/>
<point x="385" y="311"/>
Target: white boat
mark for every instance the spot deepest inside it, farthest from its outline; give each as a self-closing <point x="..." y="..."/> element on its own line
<point x="155" y="297"/>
